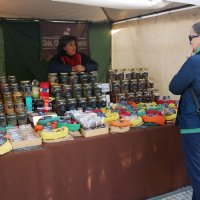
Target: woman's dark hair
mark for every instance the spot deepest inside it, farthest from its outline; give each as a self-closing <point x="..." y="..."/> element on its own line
<point x="196" y="28"/>
<point x="64" y="40"/>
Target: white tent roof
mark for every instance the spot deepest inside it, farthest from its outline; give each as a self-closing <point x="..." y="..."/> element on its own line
<point x="52" y="10"/>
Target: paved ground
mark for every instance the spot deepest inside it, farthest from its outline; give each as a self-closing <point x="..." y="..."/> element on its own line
<point x="180" y="194"/>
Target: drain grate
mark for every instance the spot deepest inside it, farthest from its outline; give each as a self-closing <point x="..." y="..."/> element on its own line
<point x="180" y="194"/>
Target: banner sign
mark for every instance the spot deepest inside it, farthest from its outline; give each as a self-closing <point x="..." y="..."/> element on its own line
<point x="50" y="32"/>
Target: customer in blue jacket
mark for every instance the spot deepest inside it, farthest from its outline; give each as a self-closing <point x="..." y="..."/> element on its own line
<point x="68" y="59"/>
<point x="188" y="118"/>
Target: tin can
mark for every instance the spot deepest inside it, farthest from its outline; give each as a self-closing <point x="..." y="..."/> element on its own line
<point x="93" y="77"/>
<point x="91" y="102"/>
<point x="22" y="118"/>
<point x="63" y="78"/>
<point x="2" y="120"/>
<point x="101" y="101"/>
<point x="83" y="77"/>
<point x="66" y="91"/>
<point x="87" y="90"/>
<point x="53" y="78"/>
<point x="77" y="90"/>
<point x="12" y="119"/>
<point x="71" y="104"/>
<point x="56" y="91"/>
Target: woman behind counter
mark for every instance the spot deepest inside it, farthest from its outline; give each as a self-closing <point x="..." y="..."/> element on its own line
<point x="68" y="60"/>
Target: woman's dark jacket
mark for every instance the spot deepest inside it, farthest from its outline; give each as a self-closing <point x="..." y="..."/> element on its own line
<point x="187" y="77"/>
<point x="56" y="65"/>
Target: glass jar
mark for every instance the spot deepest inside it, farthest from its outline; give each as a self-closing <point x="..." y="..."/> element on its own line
<point x="139" y="96"/>
<point x="83" y="77"/>
<point x="1" y="107"/>
<point x="5" y="88"/>
<point x="63" y="78"/>
<point x="111" y="75"/>
<point x="77" y="90"/>
<point x="144" y="73"/>
<point x="66" y="91"/>
<point x="141" y="84"/>
<point x="101" y="101"/>
<point x="7" y="96"/>
<point x="2" y="120"/>
<point x="115" y="86"/>
<point x="127" y="74"/>
<point x="73" y="78"/>
<point x="38" y="105"/>
<point x="53" y="78"/>
<point x="150" y="83"/>
<point x="17" y="96"/>
<point x="12" y="119"/>
<point x="14" y="87"/>
<point x="19" y="107"/>
<point x="92" y="102"/>
<point x="156" y="95"/>
<point x="22" y="118"/>
<point x="147" y="96"/>
<point x="82" y="102"/>
<point x="97" y="89"/>
<point x="26" y="88"/>
<point x="60" y="107"/>
<point x="133" y="85"/>
<point x="120" y="74"/>
<point x="93" y="77"/>
<point x="121" y="97"/>
<point x="3" y="80"/>
<point x="71" y="104"/>
<point x="56" y="91"/>
<point x="12" y="80"/>
<point x="87" y="90"/>
<point x="131" y="97"/>
<point x="9" y="107"/>
<point x="135" y="73"/>
<point x="124" y="87"/>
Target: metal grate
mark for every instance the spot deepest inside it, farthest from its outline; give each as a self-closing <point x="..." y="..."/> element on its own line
<point x="180" y="194"/>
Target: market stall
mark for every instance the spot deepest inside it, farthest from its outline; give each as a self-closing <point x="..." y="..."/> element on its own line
<point x="136" y="165"/>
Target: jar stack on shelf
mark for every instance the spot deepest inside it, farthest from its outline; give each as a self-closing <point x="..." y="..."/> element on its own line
<point x="75" y="91"/>
<point x="132" y="85"/>
<point x="12" y="108"/>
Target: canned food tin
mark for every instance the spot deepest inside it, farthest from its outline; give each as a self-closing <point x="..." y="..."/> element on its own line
<point x="22" y="119"/>
<point x="2" y="120"/>
<point x="63" y="78"/>
<point x="12" y="119"/>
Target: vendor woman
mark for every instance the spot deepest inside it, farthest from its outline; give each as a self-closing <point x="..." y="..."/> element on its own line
<point x="68" y="60"/>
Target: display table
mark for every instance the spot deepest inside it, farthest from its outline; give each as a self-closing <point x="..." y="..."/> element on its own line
<point x="131" y="166"/>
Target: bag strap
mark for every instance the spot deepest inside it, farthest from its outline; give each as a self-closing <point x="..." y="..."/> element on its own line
<point x="195" y="99"/>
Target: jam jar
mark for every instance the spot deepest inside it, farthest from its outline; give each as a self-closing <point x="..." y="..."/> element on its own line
<point x="121" y="97"/>
<point x="127" y="74"/>
<point x="60" y="107"/>
<point x="1" y="107"/>
<point x="133" y="85"/>
<point x="87" y="90"/>
<point x="14" y="87"/>
<point x="139" y="96"/>
<point x="3" y="80"/>
<point x="19" y="107"/>
<point x="97" y="89"/>
<point x="115" y="86"/>
<point x="147" y="96"/>
<point x="7" y="96"/>
<point x="56" y="91"/>
<point x="77" y="90"/>
<point x="135" y="73"/>
<point x="12" y="119"/>
<point x="2" y="120"/>
<point x="66" y="91"/>
<point x="71" y="104"/>
<point x="111" y="75"/>
<point x="120" y="74"/>
<point x="101" y="101"/>
<point x="83" y="77"/>
<point x="17" y="96"/>
<point x="150" y="83"/>
<point x="53" y="78"/>
<point x="141" y="84"/>
<point x="124" y="87"/>
<point x="22" y="118"/>
<point x="93" y="77"/>
<point x="131" y="97"/>
<point x="73" y="78"/>
<point x="9" y="107"/>
<point x="12" y="80"/>
<point x="144" y="73"/>
<point x="26" y="88"/>
<point x="5" y="88"/>
<point x="92" y="102"/>
<point x="63" y="78"/>
<point x="82" y="102"/>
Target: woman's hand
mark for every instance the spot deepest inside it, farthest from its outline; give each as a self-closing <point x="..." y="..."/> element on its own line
<point x="79" y="68"/>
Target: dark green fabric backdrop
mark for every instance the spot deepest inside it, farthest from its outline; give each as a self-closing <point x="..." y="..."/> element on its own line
<point x="22" y="49"/>
<point x="100" y="47"/>
<point x="2" y="56"/>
